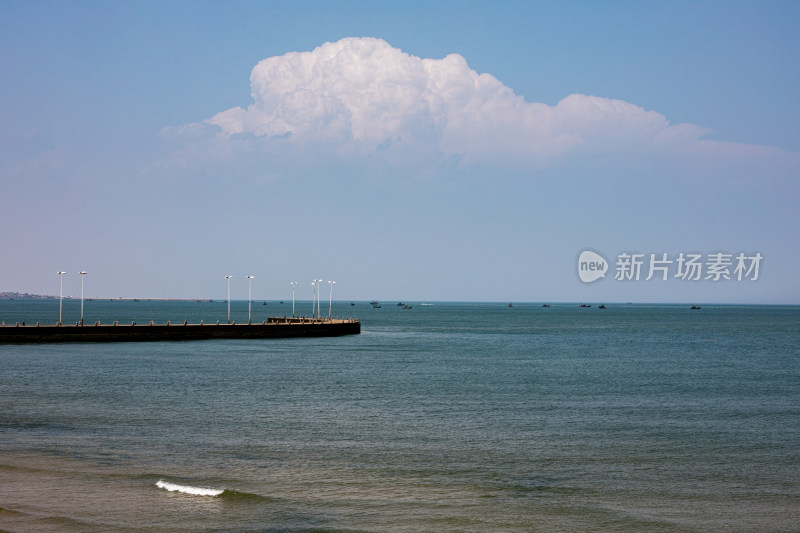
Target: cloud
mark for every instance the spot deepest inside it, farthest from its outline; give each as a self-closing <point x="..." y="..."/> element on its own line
<point x="361" y="97"/>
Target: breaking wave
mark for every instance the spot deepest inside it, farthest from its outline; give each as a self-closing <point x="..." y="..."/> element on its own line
<point x="227" y="494"/>
<point x="186" y="489"/>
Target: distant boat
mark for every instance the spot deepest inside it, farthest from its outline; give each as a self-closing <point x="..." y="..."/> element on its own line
<point x="601" y="306"/>
<point x="374" y="302"/>
<point x="509" y="304"/>
<point x="584" y="305"/>
<point x="400" y="304"/>
<point x="351" y="303"/>
<point x="376" y="306"/>
<point x="265" y="302"/>
<point x="545" y="305"/>
<point x="695" y="307"/>
<point x="406" y="307"/>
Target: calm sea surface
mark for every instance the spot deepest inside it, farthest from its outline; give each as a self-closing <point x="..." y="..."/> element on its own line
<point x="442" y="418"/>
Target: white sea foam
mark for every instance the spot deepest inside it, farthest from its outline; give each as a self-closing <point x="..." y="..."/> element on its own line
<point x="197" y="491"/>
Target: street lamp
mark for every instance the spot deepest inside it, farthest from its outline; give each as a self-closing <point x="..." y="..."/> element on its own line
<point x="330" y="298"/>
<point x="314" y="299"/>
<point x="249" y="298"/>
<point x="60" y="296"/>
<point x="82" y="273"/>
<point x="229" y="297"/>
<point x="293" y="284"/>
<point x="319" y="293"/>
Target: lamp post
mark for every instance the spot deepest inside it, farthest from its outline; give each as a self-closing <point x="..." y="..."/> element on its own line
<point x="60" y="295"/>
<point x="82" y="273"/>
<point x="229" y="297"/>
<point x="293" y="284"/>
<point x="314" y="298"/>
<point x="319" y="293"/>
<point x="330" y="299"/>
<point x="249" y="298"/>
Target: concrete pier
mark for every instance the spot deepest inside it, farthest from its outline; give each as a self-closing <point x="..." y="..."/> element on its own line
<point x="274" y="328"/>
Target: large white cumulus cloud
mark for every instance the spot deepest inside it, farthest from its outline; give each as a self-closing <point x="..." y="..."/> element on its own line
<point x="365" y="93"/>
<point x="362" y="96"/>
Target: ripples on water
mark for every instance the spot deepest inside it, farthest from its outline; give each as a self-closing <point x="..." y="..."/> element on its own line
<point x="448" y="417"/>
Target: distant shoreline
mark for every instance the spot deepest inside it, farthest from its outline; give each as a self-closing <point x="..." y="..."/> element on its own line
<point x="6" y="295"/>
<point x="26" y="296"/>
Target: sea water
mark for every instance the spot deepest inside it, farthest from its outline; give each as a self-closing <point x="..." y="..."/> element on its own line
<point x="447" y="417"/>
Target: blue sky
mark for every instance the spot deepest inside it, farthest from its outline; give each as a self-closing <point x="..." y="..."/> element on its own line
<point x="408" y="150"/>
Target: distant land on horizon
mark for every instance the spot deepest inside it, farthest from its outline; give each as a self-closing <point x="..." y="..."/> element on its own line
<point x="7" y="295"/>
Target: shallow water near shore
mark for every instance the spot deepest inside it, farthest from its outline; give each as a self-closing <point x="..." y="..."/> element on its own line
<point x="443" y="417"/>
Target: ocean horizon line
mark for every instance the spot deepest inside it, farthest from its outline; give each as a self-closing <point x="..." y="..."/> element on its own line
<point x="38" y="297"/>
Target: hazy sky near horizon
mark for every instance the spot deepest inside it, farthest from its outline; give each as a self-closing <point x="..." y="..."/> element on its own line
<point x="407" y="150"/>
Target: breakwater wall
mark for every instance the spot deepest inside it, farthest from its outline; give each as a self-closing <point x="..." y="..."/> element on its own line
<point x="274" y="328"/>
